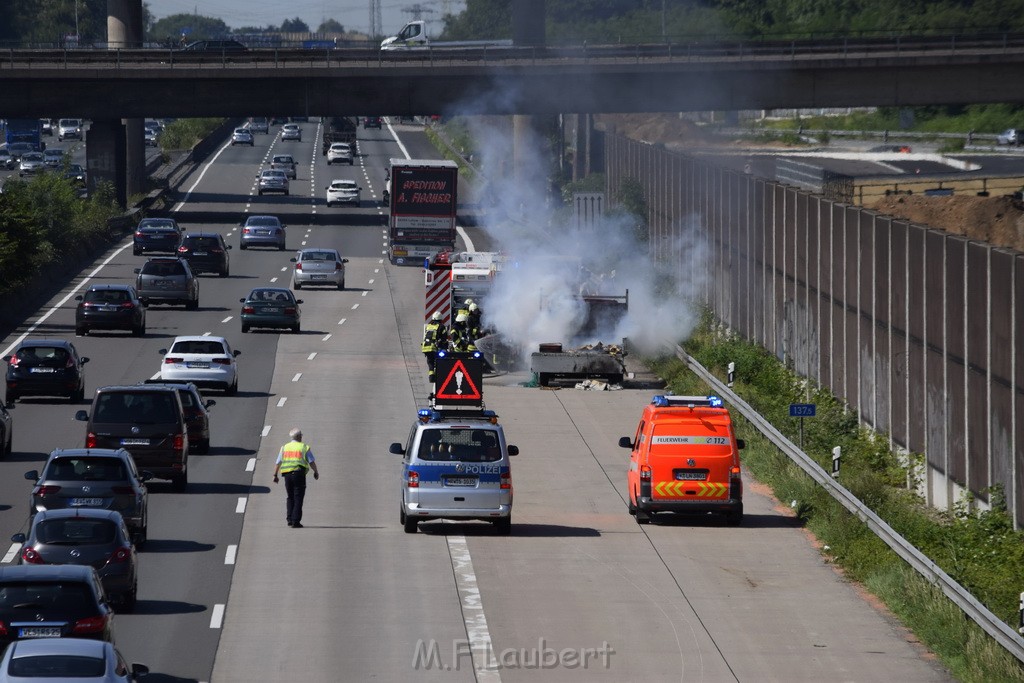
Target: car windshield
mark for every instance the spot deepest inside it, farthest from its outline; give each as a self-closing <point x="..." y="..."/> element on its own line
<point x="163" y="268"/>
<point x="200" y="346"/>
<point x="317" y="256"/>
<point x="263" y="221"/>
<point x="273" y="174"/>
<point x="283" y="160"/>
<point x="57" y="666"/>
<point x="137" y="407"/>
<point x="241" y="131"/>
<point x="108" y="296"/>
<point x="85" y="469"/>
<point x="42" y="355"/>
<point x="157" y="223"/>
<point x="75" y="531"/>
<point x="201" y="242"/>
<point x="280" y="295"/>
<point x="32" y="595"/>
<point x="339" y="147"/>
<point x="32" y="156"/>
<point x="463" y="445"/>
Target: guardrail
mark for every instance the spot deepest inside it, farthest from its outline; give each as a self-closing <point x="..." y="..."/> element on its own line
<point x="989" y="622"/>
<point x="694" y="50"/>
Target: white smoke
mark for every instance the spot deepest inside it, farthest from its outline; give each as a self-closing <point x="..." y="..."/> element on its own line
<point x="552" y="262"/>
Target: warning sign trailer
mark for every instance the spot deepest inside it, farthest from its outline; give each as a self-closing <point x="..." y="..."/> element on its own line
<point x="459" y="381"/>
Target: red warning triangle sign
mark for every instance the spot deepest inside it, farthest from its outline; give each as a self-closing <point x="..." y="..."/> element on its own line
<point x="459" y="385"/>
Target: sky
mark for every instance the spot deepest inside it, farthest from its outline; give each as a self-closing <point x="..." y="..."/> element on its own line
<point x="352" y="14"/>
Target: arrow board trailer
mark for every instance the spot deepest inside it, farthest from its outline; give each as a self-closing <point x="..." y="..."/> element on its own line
<point x="424" y="203"/>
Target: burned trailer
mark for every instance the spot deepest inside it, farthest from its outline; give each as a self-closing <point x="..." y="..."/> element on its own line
<point x="552" y="362"/>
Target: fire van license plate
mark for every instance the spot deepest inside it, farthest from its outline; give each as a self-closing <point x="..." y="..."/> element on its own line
<point x="460" y="481"/>
<point x="691" y="476"/>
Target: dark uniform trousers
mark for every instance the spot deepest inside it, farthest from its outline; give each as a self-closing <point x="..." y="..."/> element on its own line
<point x="295" y="486"/>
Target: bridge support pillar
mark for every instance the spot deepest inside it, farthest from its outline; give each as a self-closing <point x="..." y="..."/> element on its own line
<point x="124" y="30"/>
<point x="105" y="157"/>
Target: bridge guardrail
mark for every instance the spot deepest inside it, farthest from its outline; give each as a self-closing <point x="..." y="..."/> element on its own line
<point x="972" y="608"/>
<point x="695" y="50"/>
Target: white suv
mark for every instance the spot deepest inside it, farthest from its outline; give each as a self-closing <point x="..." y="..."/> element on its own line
<point x="339" y="152"/>
<point x="69" y="128"/>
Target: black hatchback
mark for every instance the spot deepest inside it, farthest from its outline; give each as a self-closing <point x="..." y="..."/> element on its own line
<point x="95" y="538"/>
<point x="53" y="601"/>
<point x="45" y="367"/>
<point x="110" y="307"/>
<point x="206" y="252"/>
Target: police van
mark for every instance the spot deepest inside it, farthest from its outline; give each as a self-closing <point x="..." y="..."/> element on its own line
<point x="455" y="465"/>
<point x="684" y="457"/>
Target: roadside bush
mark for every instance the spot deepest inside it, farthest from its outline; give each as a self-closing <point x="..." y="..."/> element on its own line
<point x="185" y="133"/>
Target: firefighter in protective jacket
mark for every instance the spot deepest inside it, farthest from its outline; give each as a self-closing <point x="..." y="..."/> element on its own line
<point x="461" y="338"/>
<point x="435" y="336"/>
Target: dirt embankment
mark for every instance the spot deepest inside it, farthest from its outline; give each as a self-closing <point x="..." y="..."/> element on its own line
<point x="996" y="220"/>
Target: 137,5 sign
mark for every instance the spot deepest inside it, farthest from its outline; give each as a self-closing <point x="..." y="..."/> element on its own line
<point x="802" y="409"/>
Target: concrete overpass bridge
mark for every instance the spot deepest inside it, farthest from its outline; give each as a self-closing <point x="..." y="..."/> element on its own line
<point x="111" y="86"/>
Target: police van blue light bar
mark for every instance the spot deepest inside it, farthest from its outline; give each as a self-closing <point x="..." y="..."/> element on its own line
<point x="663" y="401"/>
<point x="424" y="412"/>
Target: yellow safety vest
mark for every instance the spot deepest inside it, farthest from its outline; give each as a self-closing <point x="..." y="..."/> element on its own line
<point x="293" y="457"/>
<point x="431" y="337"/>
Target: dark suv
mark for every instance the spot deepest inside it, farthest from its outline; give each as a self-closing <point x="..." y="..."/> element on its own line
<point x="146" y="420"/>
<point x="372" y="122"/>
<point x="45" y="367"/>
<point x="206" y="252"/>
<point x="110" y="307"/>
<point x="53" y="601"/>
<point x="197" y="414"/>
<point x="95" y="478"/>
<point x="167" y="280"/>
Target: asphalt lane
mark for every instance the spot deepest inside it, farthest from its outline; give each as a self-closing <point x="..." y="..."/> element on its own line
<point x="227" y="595"/>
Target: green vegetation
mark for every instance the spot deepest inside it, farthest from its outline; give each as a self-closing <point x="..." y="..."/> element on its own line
<point x="979" y="550"/>
<point x="185" y="133"/>
<point x="43" y="221"/>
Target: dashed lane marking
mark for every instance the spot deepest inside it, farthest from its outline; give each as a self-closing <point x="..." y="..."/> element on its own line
<point x="217" y="618"/>
<point x="273" y="279"/>
<point x="240" y="505"/>
<point x="11" y="553"/>
<point x="342" y="321"/>
<point x="230" y="553"/>
<point x="266" y="430"/>
<point x="250" y="465"/>
<point x="355" y="306"/>
<point x="311" y="356"/>
<point x="326" y="337"/>
<point x="281" y="401"/>
<point x="364" y="294"/>
<point x="227" y="319"/>
<point x="371" y="280"/>
<point x="297" y="376"/>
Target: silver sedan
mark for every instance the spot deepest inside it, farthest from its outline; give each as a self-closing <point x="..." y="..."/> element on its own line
<point x="318" y="267"/>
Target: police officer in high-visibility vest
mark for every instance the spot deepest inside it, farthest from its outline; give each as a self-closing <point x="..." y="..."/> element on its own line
<point x="293" y="462"/>
<point x="435" y="336"/>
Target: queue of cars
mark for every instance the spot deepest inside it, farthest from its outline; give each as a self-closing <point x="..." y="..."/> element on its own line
<point x="78" y="560"/>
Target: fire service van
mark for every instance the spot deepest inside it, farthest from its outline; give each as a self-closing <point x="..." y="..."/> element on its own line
<point x="684" y="457"/>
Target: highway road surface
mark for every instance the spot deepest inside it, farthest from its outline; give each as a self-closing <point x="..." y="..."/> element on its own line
<point x="578" y="592"/>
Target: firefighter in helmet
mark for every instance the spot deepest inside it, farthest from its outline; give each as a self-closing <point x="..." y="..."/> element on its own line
<point x="464" y="308"/>
<point x="473" y="321"/>
<point x="461" y="338"/>
<point x="435" y="336"/>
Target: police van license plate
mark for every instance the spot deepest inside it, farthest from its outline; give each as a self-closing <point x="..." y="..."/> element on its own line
<point x="460" y="481"/>
<point x="691" y="476"/>
<point x="39" y="632"/>
<point x="86" y="502"/>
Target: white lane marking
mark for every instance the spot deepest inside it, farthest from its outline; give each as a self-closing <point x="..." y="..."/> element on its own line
<point x="311" y="356"/>
<point x="227" y="319"/>
<point x="371" y="280"/>
<point x="484" y="663"/>
<point x="273" y="279"/>
<point x="280" y="403"/>
<point x="240" y="506"/>
<point x="156" y="376"/>
<point x="217" y="618"/>
<point x="364" y="294"/>
<point x="297" y="376"/>
<point x="32" y="328"/>
<point x="266" y="429"/>
<point x="11" y="553"/>
<point x="206" y="334"/>
<point x="284" y="269"/>
<point x="208" y="166"/>
<point x="229" y="555"/>
<point x="380" y="261"/>
<point x="250" y="465"/>
<point x="342" y="321"/>
<point x="303" y="242"/>
<point x="326" y="337"/>
<point x="355" y="306"/>
<point x="376" y="270"/>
